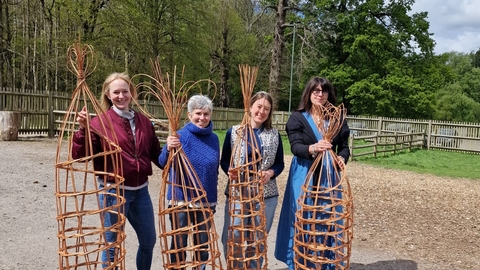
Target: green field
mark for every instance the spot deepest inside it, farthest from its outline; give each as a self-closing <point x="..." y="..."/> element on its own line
<point x="441" y="163"/>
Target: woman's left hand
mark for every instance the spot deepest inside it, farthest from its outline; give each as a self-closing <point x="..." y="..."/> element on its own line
<point x="266" y="176"/>
<point x="341" y="163"/>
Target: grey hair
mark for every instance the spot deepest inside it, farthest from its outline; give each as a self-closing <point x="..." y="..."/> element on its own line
<point x="199" y="102"/>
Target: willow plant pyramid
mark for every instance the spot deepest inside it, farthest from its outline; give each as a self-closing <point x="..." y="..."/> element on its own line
<point x="179" y="243"/>
<point x="247" y="241"/>
<point x="80" y="212"/>
<point x="324" y="218"/>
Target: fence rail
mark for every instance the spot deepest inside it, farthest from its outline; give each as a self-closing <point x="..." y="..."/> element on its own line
<point x="441" y="135"/>
<point x="41" y="113"/>
<point x="385" y="143"/>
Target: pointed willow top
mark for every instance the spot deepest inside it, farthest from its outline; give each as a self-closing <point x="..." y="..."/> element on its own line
<point x="173" y="101"/>
<point x="248" y="77"/>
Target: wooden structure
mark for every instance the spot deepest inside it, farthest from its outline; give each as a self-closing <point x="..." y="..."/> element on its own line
<point x="247" y="236"/>
<point x="324" y="218"/>
<point x="181" y="244"/>
<point x="383" y="144"/>
<point x="42" y="112"/>
<point x="80" y="212"/>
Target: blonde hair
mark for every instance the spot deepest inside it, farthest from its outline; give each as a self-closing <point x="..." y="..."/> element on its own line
<point x="105" y="102"/>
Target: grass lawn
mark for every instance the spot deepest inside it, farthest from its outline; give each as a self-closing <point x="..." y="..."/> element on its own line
<point x="441" y="163"/>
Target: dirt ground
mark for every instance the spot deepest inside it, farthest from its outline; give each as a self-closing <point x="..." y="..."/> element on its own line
<point x="403" y="220"/>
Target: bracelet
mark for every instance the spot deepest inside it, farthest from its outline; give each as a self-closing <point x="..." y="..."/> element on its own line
<point x="312" y="153"/>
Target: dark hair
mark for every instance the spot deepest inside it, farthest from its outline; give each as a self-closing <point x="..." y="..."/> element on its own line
<point x="268" y="122"/>
<point x="312" y="84"/>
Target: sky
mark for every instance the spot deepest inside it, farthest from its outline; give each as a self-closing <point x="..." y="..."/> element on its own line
<point x="454" y="23"/>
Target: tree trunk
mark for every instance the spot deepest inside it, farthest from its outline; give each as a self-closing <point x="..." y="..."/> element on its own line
<point x="9" y="125"/>
<point x="224" y="72"/>
<point x="3" y="46"/>
<point x="277" y="52"/>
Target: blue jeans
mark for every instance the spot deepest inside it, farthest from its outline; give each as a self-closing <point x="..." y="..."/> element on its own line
<point x="270" y="207"/>
<point x="139" y="212"/>
<point x="181" y="219"/>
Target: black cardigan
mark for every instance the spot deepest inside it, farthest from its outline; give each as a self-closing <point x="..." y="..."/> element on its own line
<point x="301" y="136"/>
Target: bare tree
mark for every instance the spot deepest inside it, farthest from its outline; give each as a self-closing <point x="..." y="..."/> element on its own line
<point x="277" y="51"/>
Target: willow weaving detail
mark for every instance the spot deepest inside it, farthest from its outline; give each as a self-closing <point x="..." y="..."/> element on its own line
<point x="80" y="211"/>
<point x="194" y="238"/>
<point x="324" y="218"/>
<point x="247" y="237"/>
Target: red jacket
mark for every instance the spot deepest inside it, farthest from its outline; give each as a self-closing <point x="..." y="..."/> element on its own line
<point x="137" y="154"/>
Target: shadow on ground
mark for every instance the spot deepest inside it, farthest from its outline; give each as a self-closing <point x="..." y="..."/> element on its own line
<point x="383" y="265"/>
<point x="386" y="265"/>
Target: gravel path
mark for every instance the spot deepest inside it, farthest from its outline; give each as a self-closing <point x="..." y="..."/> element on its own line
<point x="403" y="220"/>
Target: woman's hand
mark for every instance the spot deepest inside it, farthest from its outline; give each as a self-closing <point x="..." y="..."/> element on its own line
<point x="319" y="147"/>
<point x="173" y="142"/>
<point x="341" y="163"/>
<point x="83" y="117"/>
<point x="233" y="174"/>
<point x="266" y="176"/>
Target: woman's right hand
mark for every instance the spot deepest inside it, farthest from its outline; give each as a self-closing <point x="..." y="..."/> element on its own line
<point x="233" y="174"/>
<point x="320" y="146"/>
<point x="173" y="142"/>
<point x="82" y="117"/>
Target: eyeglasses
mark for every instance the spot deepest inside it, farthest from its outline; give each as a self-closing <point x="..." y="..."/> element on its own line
<point x="317" y="92"/>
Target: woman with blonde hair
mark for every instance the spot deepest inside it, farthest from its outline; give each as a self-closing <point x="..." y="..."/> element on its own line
<point x="140" y="147"/>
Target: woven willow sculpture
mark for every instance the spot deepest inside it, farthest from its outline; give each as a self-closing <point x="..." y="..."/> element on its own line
<point x="247" y="237"/>
<point x="324" y="218"/>
<point x="180" y="243"/>
<point x="80" y="212"/>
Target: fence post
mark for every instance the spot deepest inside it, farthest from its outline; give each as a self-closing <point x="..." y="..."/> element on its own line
<point x="410" y="142"/>
<point x="395" y="143"/>
<point x="429" y="132"/>
<point x="380" y="122"/>
<point x="351" y="145"/>
<point x="50" y="114"/>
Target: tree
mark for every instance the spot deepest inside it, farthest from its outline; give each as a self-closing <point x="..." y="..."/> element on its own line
<point x="374" y="44"/>
<point x="242" y="38"/>
<point x="476" y="59"/>
<point x="454" y="105"/>
<point x="379" y="58"/>
<point x="5" y="43"/>
<point x="277" y="50"/>
<point x="266" y="21"/>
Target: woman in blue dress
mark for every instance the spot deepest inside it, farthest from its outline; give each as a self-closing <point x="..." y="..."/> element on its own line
<point x="306" y="143"/>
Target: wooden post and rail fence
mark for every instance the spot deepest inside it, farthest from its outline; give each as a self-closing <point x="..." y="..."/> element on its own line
<point x="41" y="114"/>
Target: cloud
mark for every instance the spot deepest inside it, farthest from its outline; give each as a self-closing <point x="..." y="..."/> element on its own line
<point x="455" y="24"/>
